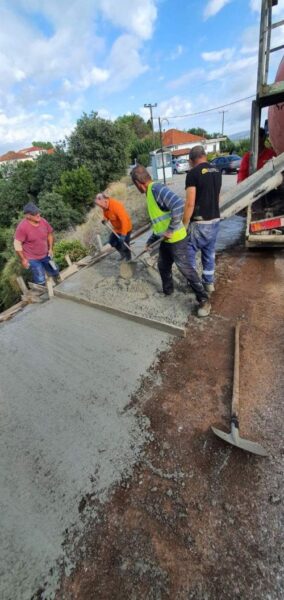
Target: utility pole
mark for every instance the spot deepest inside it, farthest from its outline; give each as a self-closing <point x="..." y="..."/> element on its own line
<point x="151" y="106"/>
<point x="222" y="112"/>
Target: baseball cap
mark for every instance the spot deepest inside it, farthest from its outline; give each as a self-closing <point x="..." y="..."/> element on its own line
<point x="31" y="209"/>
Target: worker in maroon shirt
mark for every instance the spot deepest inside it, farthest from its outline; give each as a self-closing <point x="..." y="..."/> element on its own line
<point x="33" y="243"/>
<point x="264" y="154"/>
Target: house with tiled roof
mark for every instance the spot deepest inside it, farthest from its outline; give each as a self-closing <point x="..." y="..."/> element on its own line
<point x="12" y="157"/>
<point x="179" y="143"/>
<point x="31" y="153"/>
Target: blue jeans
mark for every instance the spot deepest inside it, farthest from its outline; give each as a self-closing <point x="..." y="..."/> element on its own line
<point x="202" y="236"/>
<point x="119" y="245"/>
<point x="40" y="267"/>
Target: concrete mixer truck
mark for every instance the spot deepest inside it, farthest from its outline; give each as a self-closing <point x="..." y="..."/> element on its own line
<point x="262" y="193"/>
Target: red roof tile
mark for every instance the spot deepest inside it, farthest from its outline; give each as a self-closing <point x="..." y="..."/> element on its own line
<point x="174" y="137"/>
<point x="11" y="155"/>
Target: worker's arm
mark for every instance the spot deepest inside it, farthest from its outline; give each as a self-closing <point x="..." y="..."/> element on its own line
<point x="19" y="251"/>
<point x="189" y="205"/>
<point x="244" y="168"/>
<point x="50" y="241"/>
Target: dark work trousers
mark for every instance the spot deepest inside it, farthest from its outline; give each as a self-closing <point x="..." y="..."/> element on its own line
<point x="119" y="245"/>
<point x="177" y="253"/>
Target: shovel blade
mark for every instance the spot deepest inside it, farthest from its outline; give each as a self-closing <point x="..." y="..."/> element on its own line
<point x="234" y="439"/>
<point x="127" y="269"/>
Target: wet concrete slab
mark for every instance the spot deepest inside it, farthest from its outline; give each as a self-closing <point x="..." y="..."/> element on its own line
<point x="67" y="373"/>
<point x="141" y="295"/>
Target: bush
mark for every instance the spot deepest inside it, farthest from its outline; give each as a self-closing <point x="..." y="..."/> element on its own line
<point x="9" y="290"/>
<point x="59" y="214"/>
<point x="74" y="248"/>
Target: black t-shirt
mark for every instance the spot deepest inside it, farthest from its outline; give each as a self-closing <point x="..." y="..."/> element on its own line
<point x="207" y="180"/>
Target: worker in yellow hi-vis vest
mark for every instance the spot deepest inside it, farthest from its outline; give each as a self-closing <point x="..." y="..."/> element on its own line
<point x="165" y="210"/>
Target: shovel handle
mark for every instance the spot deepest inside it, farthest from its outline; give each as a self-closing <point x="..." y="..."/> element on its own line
<point x="116" y="235"/>
<point x="236" y="379"/>
<point x="156" y="244"/>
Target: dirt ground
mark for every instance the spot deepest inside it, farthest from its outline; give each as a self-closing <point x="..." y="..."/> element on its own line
<point x="200" y="519"/>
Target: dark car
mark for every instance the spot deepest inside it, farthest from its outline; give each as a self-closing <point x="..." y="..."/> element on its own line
<point x="227" y="164"/>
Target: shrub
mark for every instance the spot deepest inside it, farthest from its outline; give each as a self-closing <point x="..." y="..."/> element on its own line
<point x="57" y="212"/>
<point x="74" y="248"/>
<point x="9" y="290"/>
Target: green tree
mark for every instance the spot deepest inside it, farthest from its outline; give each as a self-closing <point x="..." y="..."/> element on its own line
<point x="136" y="124"/>
<point x="228" y="146"/>
<point x="101" y="146"/>
<point x="198" y="131"/>
<point x="58" y="213"/>
<point x="77" y="188"/>
<point x="141" y="150"/>
<point x="48" y="170"/>
<point x="15" y="192"/>
<point x="47" y="145"/>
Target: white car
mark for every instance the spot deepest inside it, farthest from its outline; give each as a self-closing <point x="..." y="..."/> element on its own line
<point x="180" y="165"/>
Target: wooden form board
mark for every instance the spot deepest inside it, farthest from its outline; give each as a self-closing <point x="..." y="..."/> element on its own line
<point x="166" y="327"/>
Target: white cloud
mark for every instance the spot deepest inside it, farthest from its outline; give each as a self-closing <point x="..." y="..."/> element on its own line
<point x="213" y="7"/>
<point x="215" y="56"/>
<point x="124" y="62"/>
<point x="240" y="65"/>
<point x="137" y="17"/>
<point x="93" y="77"/>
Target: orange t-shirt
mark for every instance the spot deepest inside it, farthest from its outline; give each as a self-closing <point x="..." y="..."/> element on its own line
<point x="118" y="217"/>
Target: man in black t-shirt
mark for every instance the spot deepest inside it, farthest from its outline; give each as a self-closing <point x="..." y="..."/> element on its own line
<point x="201" y="213"/>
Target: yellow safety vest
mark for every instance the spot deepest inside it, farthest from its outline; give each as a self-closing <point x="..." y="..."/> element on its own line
<point x="161" y="219"/>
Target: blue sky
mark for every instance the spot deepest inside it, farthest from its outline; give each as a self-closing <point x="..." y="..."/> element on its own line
<point x="60" y="58"/>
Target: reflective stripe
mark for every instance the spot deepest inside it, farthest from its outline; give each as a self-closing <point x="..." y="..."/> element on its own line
<point x="161" y="218"/>
<point x="208" y="272"/>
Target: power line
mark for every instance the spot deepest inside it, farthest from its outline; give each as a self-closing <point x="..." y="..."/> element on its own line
<point x="201" y="112"/>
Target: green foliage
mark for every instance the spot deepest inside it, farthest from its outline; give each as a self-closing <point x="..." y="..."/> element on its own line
<point x="15" y="192"/>
<point x="77" y="188"/>
<point x="48" y="170"/>
<point x="59" y="214"/>
<point x="228" y="146"/>
<point x="136" y="125"/>
<point x="47" y="145"/>
<point x="101" y="146"/>
<point x="198" y="131"/>
<point x="74" y="248"/>
<point x="142" y="149"/>
<point x="9" y="290"/>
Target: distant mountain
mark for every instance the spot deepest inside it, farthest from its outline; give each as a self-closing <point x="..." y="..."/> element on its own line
<point x="241" y="135"/>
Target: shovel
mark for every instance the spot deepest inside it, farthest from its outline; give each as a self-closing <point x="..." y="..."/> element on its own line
<point x="127" y="268"/>
<point x="233" y="437"/>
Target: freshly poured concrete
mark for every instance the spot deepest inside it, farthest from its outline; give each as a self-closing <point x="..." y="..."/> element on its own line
<point x="141" y="295"/>
<point x="66" y="373"/>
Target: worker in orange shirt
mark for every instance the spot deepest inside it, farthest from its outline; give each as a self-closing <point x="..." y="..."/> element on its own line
<point x="120" y="221"/>
<point x="264" y="154"/>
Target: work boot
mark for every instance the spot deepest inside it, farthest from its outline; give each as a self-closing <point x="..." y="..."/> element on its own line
<point x="204" y="309"/>
<point x="210" y="287"/>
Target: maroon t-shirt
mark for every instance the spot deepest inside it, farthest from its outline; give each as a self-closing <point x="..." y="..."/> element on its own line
<point x="33" y="238"/>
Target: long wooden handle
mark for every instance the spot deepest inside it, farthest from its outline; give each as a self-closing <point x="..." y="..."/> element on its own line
<point x="236" y="380"/>
<point x="116" y="234"/>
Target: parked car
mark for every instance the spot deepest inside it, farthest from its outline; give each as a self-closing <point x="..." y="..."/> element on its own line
<point x="227" y="164"/>
<point x="180" y="165"/>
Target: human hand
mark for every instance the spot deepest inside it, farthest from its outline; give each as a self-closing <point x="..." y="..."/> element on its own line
<point x="25" y="263"/>
<point x="168" y="234"/>
<point x="50" y="253"/>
